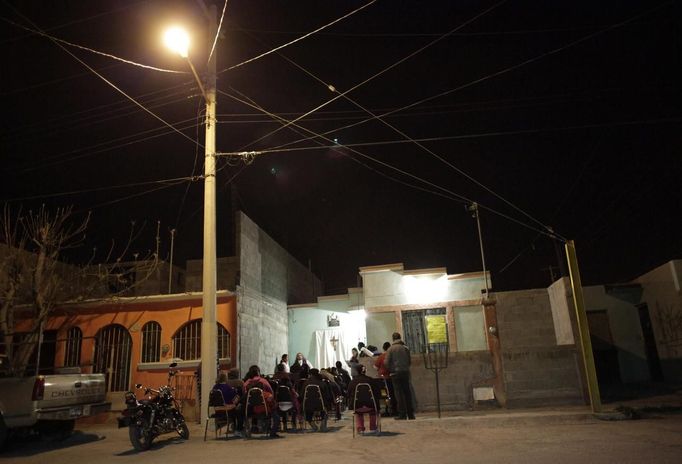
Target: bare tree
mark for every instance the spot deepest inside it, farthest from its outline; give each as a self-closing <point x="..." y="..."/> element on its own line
<point x="34" y="280"/>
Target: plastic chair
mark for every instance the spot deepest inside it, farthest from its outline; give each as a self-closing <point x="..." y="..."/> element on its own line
<point x="256" y="407"/>
<point x="285" y="403"/>
<point x="364" y="402"/>
<point x="313" y="405"/>
<point x="219" y="411"/>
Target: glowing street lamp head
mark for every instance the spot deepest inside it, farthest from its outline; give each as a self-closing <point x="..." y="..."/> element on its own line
<point x="177" y="40"/>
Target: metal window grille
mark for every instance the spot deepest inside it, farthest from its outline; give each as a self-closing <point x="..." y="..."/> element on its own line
<point x="151" y="342"/>
<point x="187" y="341"/>
<point x="223" y="342"/>
<point x="414" y="328"/>
<point x="72" y="353"/>
<point x="112" y="356"/>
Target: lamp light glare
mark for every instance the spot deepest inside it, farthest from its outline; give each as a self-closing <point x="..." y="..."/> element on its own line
<point x="177" y="40"/>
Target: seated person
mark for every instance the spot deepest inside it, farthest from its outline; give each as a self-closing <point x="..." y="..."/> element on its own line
<point x="254" y="379"/>
<point x="231" y="398"/>
<point x="364" y="408"/>
<point x="284" y="379"/>
<point x="233" y="379"/>
<point x="327" y="398"/>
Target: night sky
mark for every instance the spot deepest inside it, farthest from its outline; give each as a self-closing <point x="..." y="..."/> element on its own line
<point x="561" y="114"/>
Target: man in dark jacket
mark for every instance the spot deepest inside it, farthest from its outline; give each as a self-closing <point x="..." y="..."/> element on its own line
<point x="398" y="362"/>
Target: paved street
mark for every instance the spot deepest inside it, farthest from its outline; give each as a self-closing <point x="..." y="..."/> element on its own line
<point x="567" y="435"/>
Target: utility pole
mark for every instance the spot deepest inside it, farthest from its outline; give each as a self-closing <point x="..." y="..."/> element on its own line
<point x="583" y="327"/>
<point x="170" y="266"/>
<point x="209" y="331"/>
<point x="473" y="209"/>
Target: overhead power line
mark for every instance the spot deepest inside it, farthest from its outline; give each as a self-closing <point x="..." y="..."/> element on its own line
<point x="299" y="38"/>
<point x="111" y="84"/>
<point x="383" y="71"/>
<point x="101" y="189"/>
<point x="442" y="191"/>
<point x="97" y="52"/>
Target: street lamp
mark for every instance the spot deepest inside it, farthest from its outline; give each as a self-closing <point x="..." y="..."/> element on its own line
<point x="178" y="40"/>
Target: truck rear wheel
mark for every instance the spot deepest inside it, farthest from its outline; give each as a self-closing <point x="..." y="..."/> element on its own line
<point x="56" y="430"/>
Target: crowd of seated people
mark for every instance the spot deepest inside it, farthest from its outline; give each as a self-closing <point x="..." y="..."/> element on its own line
<point x="285" y="390"/>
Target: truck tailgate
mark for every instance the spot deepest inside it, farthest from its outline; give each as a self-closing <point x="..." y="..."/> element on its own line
<point x="72" y="389"/>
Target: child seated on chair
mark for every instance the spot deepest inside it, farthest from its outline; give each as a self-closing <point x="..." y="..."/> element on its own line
<point x="364" y="405"/>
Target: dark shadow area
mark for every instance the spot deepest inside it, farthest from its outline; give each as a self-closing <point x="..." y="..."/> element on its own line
<point x="617" y="392"/>
<point x="156" y="445"/>
<point x="33" y="444"/>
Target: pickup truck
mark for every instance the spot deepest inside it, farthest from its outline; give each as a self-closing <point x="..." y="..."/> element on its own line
<point x="48" y="404"/>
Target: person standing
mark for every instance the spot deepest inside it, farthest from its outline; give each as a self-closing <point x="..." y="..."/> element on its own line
<point x="380" y="365"/>
<point x="398" y="361"/>
<point x="298" y="363"/>
<point x="284" y="362"/>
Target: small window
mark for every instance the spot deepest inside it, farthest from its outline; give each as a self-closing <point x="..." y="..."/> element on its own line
<point x="151" y="342"/>
<point x="74" y="341"/>
<point x="416" y="326"/>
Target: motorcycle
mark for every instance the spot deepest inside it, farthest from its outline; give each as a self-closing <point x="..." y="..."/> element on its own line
<point x="148" y="418"/>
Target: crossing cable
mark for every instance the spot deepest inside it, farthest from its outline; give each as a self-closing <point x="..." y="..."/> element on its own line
<point x="107" y="108"/>
<point x="299" y="38"/>
<point x="447" y="193"/>
<point x="97" y="52"/>
<point x="79" y="155"/>
<point x="419" y="144"/>
<point x="90" y="121"/>
<point x="474" y="136"/>
<point x="75" y="21"/>
<point x="135" y="195"/>
<point x="102" y="189"/>
<point x="217" y="34"/>
<point x="461" y="172"/>
<point x="112" y="84"/>
<point x="383" y="71"/>
<point x="481" y="79"/>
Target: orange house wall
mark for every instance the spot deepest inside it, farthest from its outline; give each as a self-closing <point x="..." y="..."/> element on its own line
<point x="171" y="315"/>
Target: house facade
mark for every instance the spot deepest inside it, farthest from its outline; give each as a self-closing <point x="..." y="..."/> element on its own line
<point x="502" y="347"/>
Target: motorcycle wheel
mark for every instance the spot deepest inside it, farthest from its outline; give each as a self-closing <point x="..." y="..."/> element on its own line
<point x="140" y="440"/>
<point x="183" y="431"/>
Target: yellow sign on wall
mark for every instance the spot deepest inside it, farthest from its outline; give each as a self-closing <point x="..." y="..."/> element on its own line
<point x="436" y="329"/>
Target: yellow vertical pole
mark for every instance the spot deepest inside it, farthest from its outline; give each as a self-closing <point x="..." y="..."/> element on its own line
<point x="583" y="327"/>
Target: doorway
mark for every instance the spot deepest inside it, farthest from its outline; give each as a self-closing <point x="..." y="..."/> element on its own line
<point x="112" y="356"/>
<point x="654" y="362"/>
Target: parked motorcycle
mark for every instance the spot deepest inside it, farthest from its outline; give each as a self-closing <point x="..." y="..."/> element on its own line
<point x="148" y="418"/>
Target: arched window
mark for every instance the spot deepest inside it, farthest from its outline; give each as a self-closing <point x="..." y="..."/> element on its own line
<point x="187" y="341"/>
<point x="72" y="353"/>
<point x="151" y="342"/>
<point x="223" y="342"/>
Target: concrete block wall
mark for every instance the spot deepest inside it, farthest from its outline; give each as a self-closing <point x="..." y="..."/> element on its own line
<point x="262" y="330"/>
<point x="536" y="370"/>
<point x="266" y="275"/>
<point x="465" y="370"/>
<point x="525" y="319"/>
<point x="227" y="269"/>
